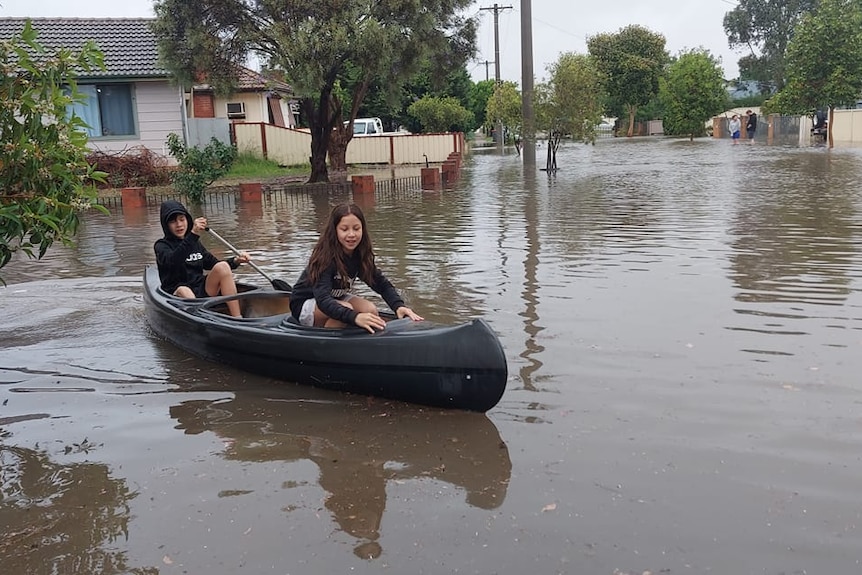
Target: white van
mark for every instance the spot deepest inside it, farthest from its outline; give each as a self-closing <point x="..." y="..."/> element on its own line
<point x="367" y="127"/>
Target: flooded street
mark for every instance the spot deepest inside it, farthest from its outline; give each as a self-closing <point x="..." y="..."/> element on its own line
<point x="683" y="328"/>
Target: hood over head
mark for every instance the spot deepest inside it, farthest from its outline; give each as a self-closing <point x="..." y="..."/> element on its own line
<point x="168" y="209"/>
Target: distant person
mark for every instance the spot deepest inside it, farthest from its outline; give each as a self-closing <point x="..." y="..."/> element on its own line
<point x="734" y="127"/>
<point x="322" y="295"/>
<point x="182" y="259"/>
<point x="751" y="125"/>
<point x="820" y="117"/>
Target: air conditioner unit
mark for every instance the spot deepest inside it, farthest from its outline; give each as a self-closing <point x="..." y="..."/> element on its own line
<point x="236" y="110"/>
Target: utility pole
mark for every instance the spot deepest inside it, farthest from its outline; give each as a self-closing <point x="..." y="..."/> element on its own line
<point x="486" y="69"/>
<point x="528" y="117"/>
<point x="496" y="8"/>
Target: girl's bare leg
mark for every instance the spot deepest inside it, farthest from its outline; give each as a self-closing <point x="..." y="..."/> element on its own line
<point x="356" y="303"/>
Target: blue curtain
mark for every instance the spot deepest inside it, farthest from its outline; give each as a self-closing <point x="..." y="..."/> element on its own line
<point x="115" y="104"/>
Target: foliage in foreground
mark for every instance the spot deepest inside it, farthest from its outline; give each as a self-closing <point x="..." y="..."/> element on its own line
<point x="45" y="179"/>
<point x="199" y="167"/>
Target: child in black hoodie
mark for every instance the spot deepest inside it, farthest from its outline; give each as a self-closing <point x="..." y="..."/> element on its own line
<point x="182" y="259"/>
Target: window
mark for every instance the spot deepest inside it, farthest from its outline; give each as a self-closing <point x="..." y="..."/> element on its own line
<point x="106" y="109"/>
<point x="236" y="110"/>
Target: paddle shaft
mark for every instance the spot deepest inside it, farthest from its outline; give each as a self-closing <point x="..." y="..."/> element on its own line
<point x="237" y="252"/>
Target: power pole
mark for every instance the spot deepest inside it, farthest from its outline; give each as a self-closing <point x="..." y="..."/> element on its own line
<point x="496" y="8"/>
<point x="528" y="118"/>
<point x="486" y="68"/>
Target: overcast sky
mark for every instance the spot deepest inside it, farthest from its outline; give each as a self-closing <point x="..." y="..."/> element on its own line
<point x="558" y="26"/>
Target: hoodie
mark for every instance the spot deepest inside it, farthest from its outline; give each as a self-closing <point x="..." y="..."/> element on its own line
<point x="182" y="261"/>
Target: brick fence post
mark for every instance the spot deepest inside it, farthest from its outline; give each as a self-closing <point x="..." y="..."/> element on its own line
<point x="134" y="197"/>
<point x="250" y="193"/>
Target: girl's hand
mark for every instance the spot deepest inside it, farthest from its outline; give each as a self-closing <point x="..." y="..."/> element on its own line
<point x="370" y="321"/>
<point x="242" y="258"/>
<point x="405" y="311"/>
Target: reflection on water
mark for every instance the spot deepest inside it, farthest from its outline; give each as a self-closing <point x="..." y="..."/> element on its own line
<point x="61" y="518"/>
<point x="359" y="451"/>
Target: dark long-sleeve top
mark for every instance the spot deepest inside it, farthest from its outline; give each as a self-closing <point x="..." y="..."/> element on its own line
<point x="328" y="290"/>
<point x="182" y="261"/>
<point x="752" y="123"/>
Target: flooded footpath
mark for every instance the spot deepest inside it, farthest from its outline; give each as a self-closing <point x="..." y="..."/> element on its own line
<point x="683" y="327"/>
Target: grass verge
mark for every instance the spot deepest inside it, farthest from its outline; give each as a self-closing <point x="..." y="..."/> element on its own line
<point x="248" y="166"/>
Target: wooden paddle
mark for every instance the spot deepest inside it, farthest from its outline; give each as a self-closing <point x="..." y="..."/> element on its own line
<point x="277" y="284"/>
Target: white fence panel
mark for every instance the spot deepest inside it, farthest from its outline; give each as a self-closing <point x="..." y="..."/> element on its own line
<point x="286" y="146"/>
<point x="291" y="147"/>
<point x="369" y="150"/>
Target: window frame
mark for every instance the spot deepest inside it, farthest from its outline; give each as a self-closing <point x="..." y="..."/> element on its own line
<point x="133" y="104"/>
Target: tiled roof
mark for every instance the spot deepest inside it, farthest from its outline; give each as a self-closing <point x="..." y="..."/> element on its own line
<point x="128" y="44"/>
<point x="250" y="80"/>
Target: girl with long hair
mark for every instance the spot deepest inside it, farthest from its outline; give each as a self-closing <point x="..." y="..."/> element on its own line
<point x="322" y="296"/>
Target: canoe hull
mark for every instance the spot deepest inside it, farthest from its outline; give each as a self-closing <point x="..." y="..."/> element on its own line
<point x="461" y="366"/>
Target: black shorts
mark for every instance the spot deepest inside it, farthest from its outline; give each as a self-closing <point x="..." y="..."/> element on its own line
<point x="201" y="290"/>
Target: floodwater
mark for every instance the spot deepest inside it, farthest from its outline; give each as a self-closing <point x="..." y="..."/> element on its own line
<point x="683" y="329"/>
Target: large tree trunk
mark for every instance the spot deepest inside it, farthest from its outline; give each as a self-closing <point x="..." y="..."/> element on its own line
<point x="342" y="133"/>
<point x="319" y="140"/>
<point x="338" y="140"/>
<point x="633" y="110"/>
<point x="329" y="136"/>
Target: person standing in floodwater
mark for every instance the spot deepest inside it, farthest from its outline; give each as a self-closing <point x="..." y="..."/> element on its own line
<point x="751" y="126"/>
<point x="734" y="127"/>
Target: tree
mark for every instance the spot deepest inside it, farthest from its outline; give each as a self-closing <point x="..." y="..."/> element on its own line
<point x="45" y="179"/>
<point x="330" y="50"/>
<point x="504" y="105"/>
<point x="824" y="61"/>
<point x="632" y="61"/>
<point x="441" y="114"/>
<point x="430" y="82"/>
<point x="199" y="167"/>
<point x="692" y="92"/>
<point x="479" y="95"/>
<point x="765" y="28"/>
<point x="570" y="102"/>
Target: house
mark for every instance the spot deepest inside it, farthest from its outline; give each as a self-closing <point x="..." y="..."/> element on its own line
<point x="132" y="102"/>
<point x="741" y="89"/>
<point x="256" y="98"/>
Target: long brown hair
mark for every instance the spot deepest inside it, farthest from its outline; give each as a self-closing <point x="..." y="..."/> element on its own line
<point x="328" y="249"/>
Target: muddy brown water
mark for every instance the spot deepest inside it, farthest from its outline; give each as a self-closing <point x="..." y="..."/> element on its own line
<point x="683" y="328"/>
